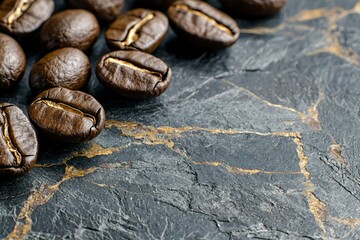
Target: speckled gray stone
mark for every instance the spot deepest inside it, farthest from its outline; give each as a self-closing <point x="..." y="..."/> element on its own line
<point x="257" y="141"/>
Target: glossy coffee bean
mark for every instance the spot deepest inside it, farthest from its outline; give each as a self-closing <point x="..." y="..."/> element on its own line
<point x="105" y="10"/>
<point x="134" y="74"/>
<point x="18" y="142"/>
<point x="254" y="7"/>
<point x="65" y="67"/>
<point x="12" y="62"/>
<point x="139" y="29"/>
<point x="70" y="28"/>
<point x="21" y="17"/>
<point x="67" y="115"/>
<point x="201" y="24"/>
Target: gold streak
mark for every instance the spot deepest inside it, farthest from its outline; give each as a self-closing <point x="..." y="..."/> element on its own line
<point x="9" y="143"/>
<point x="163" y="135"/>
<point x="312" y="14"/>
<point x="132" y="66"/>
<point x="263" y="30"/>
<point x="67" y="108"/>
<point x="132" y="35"/>
<point x="93" y="151"/>
<point x="260" y="98"/>
<point x="209" y="19"/>
<point x="38" y="198"/>
<point x="97" y="150"/>
<point x="352" y="222"/>
<point x="334" y="46"/>
<point x="332" y="15"/>
<point x="311" y="118"/>
<point x="318" y="208"/>
<point x="102" y="185"/>
<point x="335" y="150"/>
<point x="21" y="7"/>
<point x="41" y="196"/>
<point x="242" y="171"/>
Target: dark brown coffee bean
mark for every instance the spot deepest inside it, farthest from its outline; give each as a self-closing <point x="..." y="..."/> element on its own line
<point x="18" y="142"/>
<point x="70" y="28"/>
<point x="201" y="24"/>
<point x="12" y="62"/>
<point x="105" y="10"/>
<point x="254" y="7"/>
<point x="134" y="74"/>
<point x="67" y="115"/>
<point x="139" y="29"/>
<point x="21" y="17"/>
<point x="65" y="67"/>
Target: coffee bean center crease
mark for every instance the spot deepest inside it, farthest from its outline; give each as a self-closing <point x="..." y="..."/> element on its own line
<point x="21" y="7"/>
<point x="133" y="32"/>
<point x="67" y="108"/>
<point x="208" y="18"/>
<point x="9" y="143"/>
<point x="132" y="66"/>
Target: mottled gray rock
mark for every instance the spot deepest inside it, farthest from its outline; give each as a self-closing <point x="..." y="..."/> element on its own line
<point x="257" y="141"/>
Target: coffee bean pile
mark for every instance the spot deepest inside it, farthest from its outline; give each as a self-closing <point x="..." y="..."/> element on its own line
<point x="63" y="113"/>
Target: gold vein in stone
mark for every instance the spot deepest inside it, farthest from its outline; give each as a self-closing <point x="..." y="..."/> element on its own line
<point x="9" y="143"/>
<point x="247" y="91"/>
<point x="20" y="8"/>
<point x="317" y="207"/>
<point x="67" y="108"/>
<point x="243" y="171"/>
<point x="332" y="15"/>
<point x="311" y="117"/>
<point x="209" y="19"/>
<point x="163" y="135"/>
<point x="132" y="35"/>
<point x="132" y="66"/>
<point x="336" y="151"/>
<point x="23" y="225"/>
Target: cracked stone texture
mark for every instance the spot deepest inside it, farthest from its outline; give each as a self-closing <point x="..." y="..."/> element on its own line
<point x="256" y="141"/>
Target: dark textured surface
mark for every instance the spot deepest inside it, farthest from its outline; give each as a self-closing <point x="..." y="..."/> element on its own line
<point x="256" y="141"/>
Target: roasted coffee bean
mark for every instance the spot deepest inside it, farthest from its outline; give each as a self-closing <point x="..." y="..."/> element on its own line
<point x="105" y="10"/>
<point x="70" y="28"/>
<point x="139" y="29"/>
<point x="256" y="8"/>
<point x="134" y="74"/>
<point x="201" y="24"/>
<point x="21" y="17"/>
<point x="67" y="115"/>
<point x="65" y="67"/>
<point x="18" y="142"/>
<point x="12" y="62"/>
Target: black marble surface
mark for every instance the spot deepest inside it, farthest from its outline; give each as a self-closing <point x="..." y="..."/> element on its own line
<point x="260" y="140"/>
